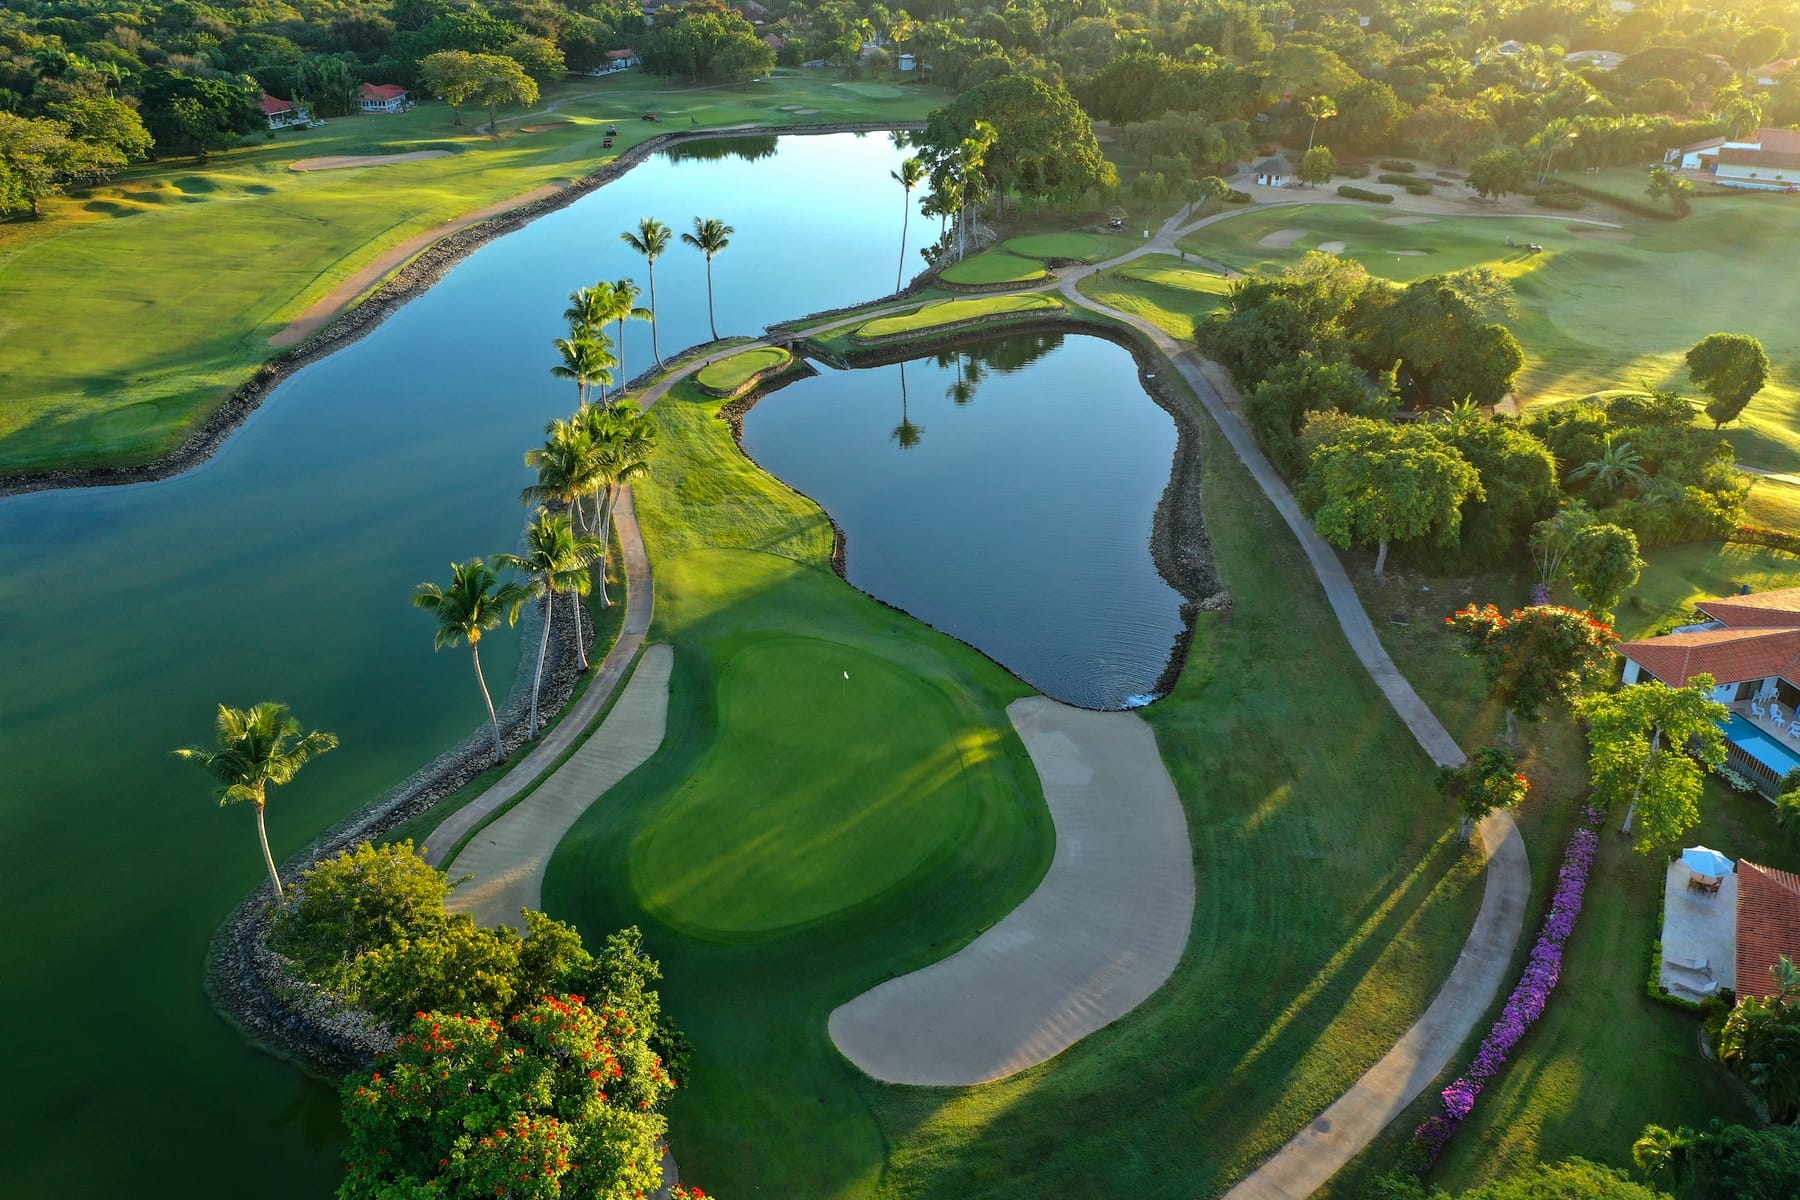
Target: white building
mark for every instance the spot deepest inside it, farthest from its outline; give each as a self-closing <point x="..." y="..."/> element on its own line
<point x="382" y="97"/>
<point x="1768" y="159"/>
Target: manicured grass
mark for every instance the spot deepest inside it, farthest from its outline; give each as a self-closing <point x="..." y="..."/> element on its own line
<point x="994" y="266"/>
<point x="729" y="374"/>
<point x="1088" y="247"/>
<point x="1676" y="576"/>
<point x="1774" y="503"/>
<point x="1161" y="289"/>
<point x="133" y="310"/>
<point x="1598" y="308"/>
<point x="948" y="312"/>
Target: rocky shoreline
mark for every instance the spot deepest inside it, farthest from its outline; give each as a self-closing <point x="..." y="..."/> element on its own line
<point x="417" y="276"/>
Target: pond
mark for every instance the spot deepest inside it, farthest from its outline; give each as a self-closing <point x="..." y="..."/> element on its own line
<point x="1004" y="493"/>
<point x="282" y="569"/>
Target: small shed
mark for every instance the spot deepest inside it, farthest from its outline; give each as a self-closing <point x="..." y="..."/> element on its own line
<point x="1275" y="172"/>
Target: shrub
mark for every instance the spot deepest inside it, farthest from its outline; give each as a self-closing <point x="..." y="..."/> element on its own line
<point x="1762" y="535"/>
<point x="1563" y="201"/>
<point x="1356" y="193"/>
<point x="1405" y="181"/>
<point x="1398" y="164"/>
<point x="1419" y="188"/>
<point x="1736" y="782"/>
<point x="1354" y="170"/>
<point x="1236" y="197"/>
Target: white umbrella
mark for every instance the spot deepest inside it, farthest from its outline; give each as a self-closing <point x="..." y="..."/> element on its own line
<point x="1703" y="861"/>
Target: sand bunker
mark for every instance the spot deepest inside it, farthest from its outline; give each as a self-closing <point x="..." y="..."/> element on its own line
<point x="1332" y="247"/>
<point x="805" y="112"/>
<point x="1281" y="239"/>
<point x="546" y="125"/>
<point x="1410" y="253"/>
<point x="339" y="162"/>
<point x="1407" y="220"/>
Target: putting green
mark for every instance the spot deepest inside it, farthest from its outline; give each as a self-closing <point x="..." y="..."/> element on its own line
<point x="1088" y="247"/>
<point x="727" y="375"/>
<point x="947" y="312"/>
<point x="994" y="266"/>
<point x="861" y="780"/>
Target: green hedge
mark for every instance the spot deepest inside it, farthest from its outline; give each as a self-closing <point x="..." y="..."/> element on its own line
<point x="1236" y="197"/>
<point x="1762" y="535"/>
<point x="1354" y="170"/>
<point x="1405" y="181"/>
<point x="1356" y="193"/>
<point x="1566" y="201"/>
<point x="1398" y="164"/>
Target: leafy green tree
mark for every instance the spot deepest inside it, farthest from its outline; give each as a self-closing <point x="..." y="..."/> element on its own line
<point x="1369" y="114"/>
<point x="565" y="1100"/>
<point x="1760" y="1041"/>
<point x="650" y="240"/>
<point x="708" y="41"/>
<point x="104" y="121"/>
<point x="1445" y="331"/>
<point x="355" y="901"/>
<point x="1554" y="536"/>
<point x="710" y="237"/>
<point x="1043" y="145"/>
<point x="1665" y="184"/>
<point x="1498" y="173"/>
<point x="567" y="470"/>
<point x="1602" y="562"/>
<point x="329" y="85"/>
<point x="1317" y="165"/>
<point x="501" y="80"/>
<point x="1490" y="780"/>
<point x="1374" y="483"/>
<point x="454" y="77"/>
<point x="475" y="602"/>
<point x="259" y="748"/>
<point x="1518" y="482"/>
<point x="910" y="175"/>
<point x="197" y="114"/>
<point x="1735" y="1162"/>
<point x="538" y="57"/>
<point x="1554" y="138"/>
<point x="1537" y="657"/>
<point x="1730" y="368"/>
<point x="34" y="157"/>
<point x="557" y="559"/>
<point x="1276" y="408"/>
<point x="1639" y="741"/>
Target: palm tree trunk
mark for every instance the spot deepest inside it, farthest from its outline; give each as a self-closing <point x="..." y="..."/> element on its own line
<point x="624" y="375"/>
<point x="655" y="347"/>
<point x="1381" y="561"/>
<point x="580" y="638"/>
<point x="905" y="216"/>
<point x="709" y="300"/>
<point x="262" y="835"/>
<point x="493" y="717"/>
<point x="537" y="683"/>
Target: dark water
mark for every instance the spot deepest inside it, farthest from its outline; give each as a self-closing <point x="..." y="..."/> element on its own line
<point x="1004" y="494"/>
<point x="283" y="569"/>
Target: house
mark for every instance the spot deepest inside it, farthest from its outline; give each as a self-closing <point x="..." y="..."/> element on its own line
<point x="621" y="60"/>
<point x="1771" y="74"/>
<point x="382" y="97"/>
<point x="1768" y="159"/>
<point x="906" y="62"/>
<point x="1750" y="645"/>
<point x="282" y="114"/>
<point x="1599" y="60"/>
<point x="774" y="41"/>
<point x="1768" y="926"/>
<point x="1274" y="172"/>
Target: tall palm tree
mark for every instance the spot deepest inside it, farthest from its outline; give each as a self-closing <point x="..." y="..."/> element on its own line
<point x="650" y="240"/>
<point x="1319" y="108"/>
<point x="622" y="438"/>
<point x="709" y="237"/>
<point x="906" y="433"/>
<point x="586" y="360"/>
<point x="565" y="467"/>
<point x="557" y="559"/>
<point x="475" y="602"/>
<point x="589" y="309"/>
<point x="1552" y="140"/>
<point x="909" y="176"/>
<point x="259" y="748"/>
<point x="625" y="307"/>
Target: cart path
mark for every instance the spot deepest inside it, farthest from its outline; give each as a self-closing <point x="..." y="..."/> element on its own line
<point x="508" y="857"/>
<point x="1103" y="930"/>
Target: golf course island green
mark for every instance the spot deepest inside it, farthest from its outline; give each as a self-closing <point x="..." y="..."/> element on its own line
<point x="991" y="267"/>
<point x="939" y="314"/>
<point x="731" y="376"/>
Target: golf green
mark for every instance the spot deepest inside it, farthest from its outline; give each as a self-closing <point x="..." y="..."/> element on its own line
<point x="862" y="776"/>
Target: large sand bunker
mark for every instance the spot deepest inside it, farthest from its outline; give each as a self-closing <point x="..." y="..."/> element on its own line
<point x="1281" y="239"/>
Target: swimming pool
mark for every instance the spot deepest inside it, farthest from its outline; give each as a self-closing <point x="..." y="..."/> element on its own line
<point x="1759" y="745"/>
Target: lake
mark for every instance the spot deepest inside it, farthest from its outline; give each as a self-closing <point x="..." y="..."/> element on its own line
<point x="1003" y="493"/>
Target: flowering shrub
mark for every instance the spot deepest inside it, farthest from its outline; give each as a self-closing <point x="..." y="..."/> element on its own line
<point x="1489" y="780"/>
<point x="1737" y="782"/>
<point x="1529" y="996"/>
<point x="1536" y="656"/>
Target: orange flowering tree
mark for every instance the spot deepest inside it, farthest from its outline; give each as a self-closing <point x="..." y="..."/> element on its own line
<point x="1536" y="657"/>
<point x="1489" y="780"/>
<point x="560" y="1100"/>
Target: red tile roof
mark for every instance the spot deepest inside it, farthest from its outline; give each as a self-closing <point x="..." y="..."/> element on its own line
<point x="274" y="105"/>
<point x="1728" y="655"/>
<point x="1781" y="141"/>
<point x="1776" y="69"/>
<point x="618" y="54"/>
<point x="1768" y="925"/>
<point x="1759" y="610"/>
<point x="382" y="91"/>
<point x="1773" y="160"/>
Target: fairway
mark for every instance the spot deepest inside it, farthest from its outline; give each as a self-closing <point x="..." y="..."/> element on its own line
<point x="833" y="775"/>
<point x="949" y="312"/>
<point x="1598" y="308"/>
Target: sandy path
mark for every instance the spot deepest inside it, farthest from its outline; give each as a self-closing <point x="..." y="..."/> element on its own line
<point x="1281" y="239"/>
<point x="507" y="859"/>
<point x="341" y="297"/>
<point x="340" y="162"/>
<point x="1104" y="929"/>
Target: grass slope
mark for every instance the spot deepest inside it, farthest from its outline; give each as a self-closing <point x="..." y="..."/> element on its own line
<point x="1160" y="288"/>
<point x="130" y="313"/>
<point x="994" y="266"/>
<point x="948" y="312"/>
<point x="1598" y="308"/>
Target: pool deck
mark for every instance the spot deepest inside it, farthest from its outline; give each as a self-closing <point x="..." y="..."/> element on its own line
<point x="1699" y="936"/>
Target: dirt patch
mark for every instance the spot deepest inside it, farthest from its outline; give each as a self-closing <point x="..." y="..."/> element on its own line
<point x="1332" y="247"/>
<point x="1281" y="239"/>
<point x="1407" y="220"/>
<point x="341" y="162"/>
<point x="1605" y="235"/>
<point x="547" y="125"/>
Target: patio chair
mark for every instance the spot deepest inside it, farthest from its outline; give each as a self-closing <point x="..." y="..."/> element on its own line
<point x="1794" y="730"/>
<point x="1775" y="713"/>
<point x="1757" y="710"/>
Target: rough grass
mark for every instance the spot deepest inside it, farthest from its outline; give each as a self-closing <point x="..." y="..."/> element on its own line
<point x="994" y="266"/>
<point x="947" y="312"/>
<point x="132" y="311"/>
<point x="729" y="374"/>
<point x="1088" y="247"/>
<point x="1596" y="312"/>
<point x="1160" y="288"/>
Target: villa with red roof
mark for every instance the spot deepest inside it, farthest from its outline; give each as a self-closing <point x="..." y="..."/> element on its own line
<point x="1767" y="160"/>
<point x="1750" y="645"/>
<point x="382" y="97"/>
<point x="283" y="113"/>
<point x="1768" y="926"/>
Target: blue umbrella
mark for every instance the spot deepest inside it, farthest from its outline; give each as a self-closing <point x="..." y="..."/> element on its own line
<point x="1702" y="861"/>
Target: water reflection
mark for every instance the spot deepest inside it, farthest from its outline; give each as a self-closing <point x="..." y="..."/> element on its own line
<point x="746" y="149"/>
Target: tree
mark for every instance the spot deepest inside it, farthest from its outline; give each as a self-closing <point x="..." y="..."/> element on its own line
<point x="1731" y="368"/>
<point x="1538" y="656"/>
<point x="538" y="57"/>
<point x="1663" y="1153"/>
<point x="329" y="84"/>
<point x="1602" y="562"/>
<point x="501" y="80"/>
<point x="259" y="748"/>
<point x="1761" y="1043"/>
<point x="557" y="559"/>
<point x="454" y="77"/>
<point x="1317" y="165"/>
<point x="587" y="361"/>
<point x="1729" y="1162"/>
<point x="199" y="115"/>
<point x="621" y="439"/>
<point x="1551" y="540"/>
<point x="710" y="236"/>
<point x="1043" y="144"/>
<point x="1638" y="751"/>
<point x="1518" y="479"/>
<point x="356" y="901"/>
<point x="650" y="240"/>
<point x="1276" y="408"/>
<point x="1368" y="114"/>
<point x="1665" y="184"/>
<point x="1379" y="483"/>
<point x="1614" y="469"/>
<point x="910" y="175"/>
<point x="1319" y="108"/>
<point x="563" y="1100"/>
<point x="32" y="151"/>
<point x="1552" y="140"/>
<point x="1445" y="332"/>
<point x="1498" y="173"/>
<point x="1490" y="780"/>
<point x="707" y="41"/>
<point x="566" y="469"/>
<point x="104" y="121"/>
<point x="624" y="307"/>
<point x="475" y="602"/>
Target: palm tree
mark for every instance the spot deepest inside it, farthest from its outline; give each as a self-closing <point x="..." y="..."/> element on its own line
<point x="1617" y="466"/>
<point x="586" y="360"/>
<point x="475" y="602"/>
<point x="565" y="467"/>
<point x="1659" y="1151"/>
<point x="1555" y="137"/>
<point x="709" y="237"/>
<point x="557" y="559"/>
<point x="909" y="176"/>
<point x="622" y="438"/>
<point x="590" y="308"/>
<point x="625" y="307"/>
<point x="257" y="750"/>
<point x="1319" y="108"/>
<point x="650" y="240"/>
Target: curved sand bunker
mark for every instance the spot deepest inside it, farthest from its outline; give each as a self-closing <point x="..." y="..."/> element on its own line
<point x="1104" y="929"/>
<point x="1281" y="239"/>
